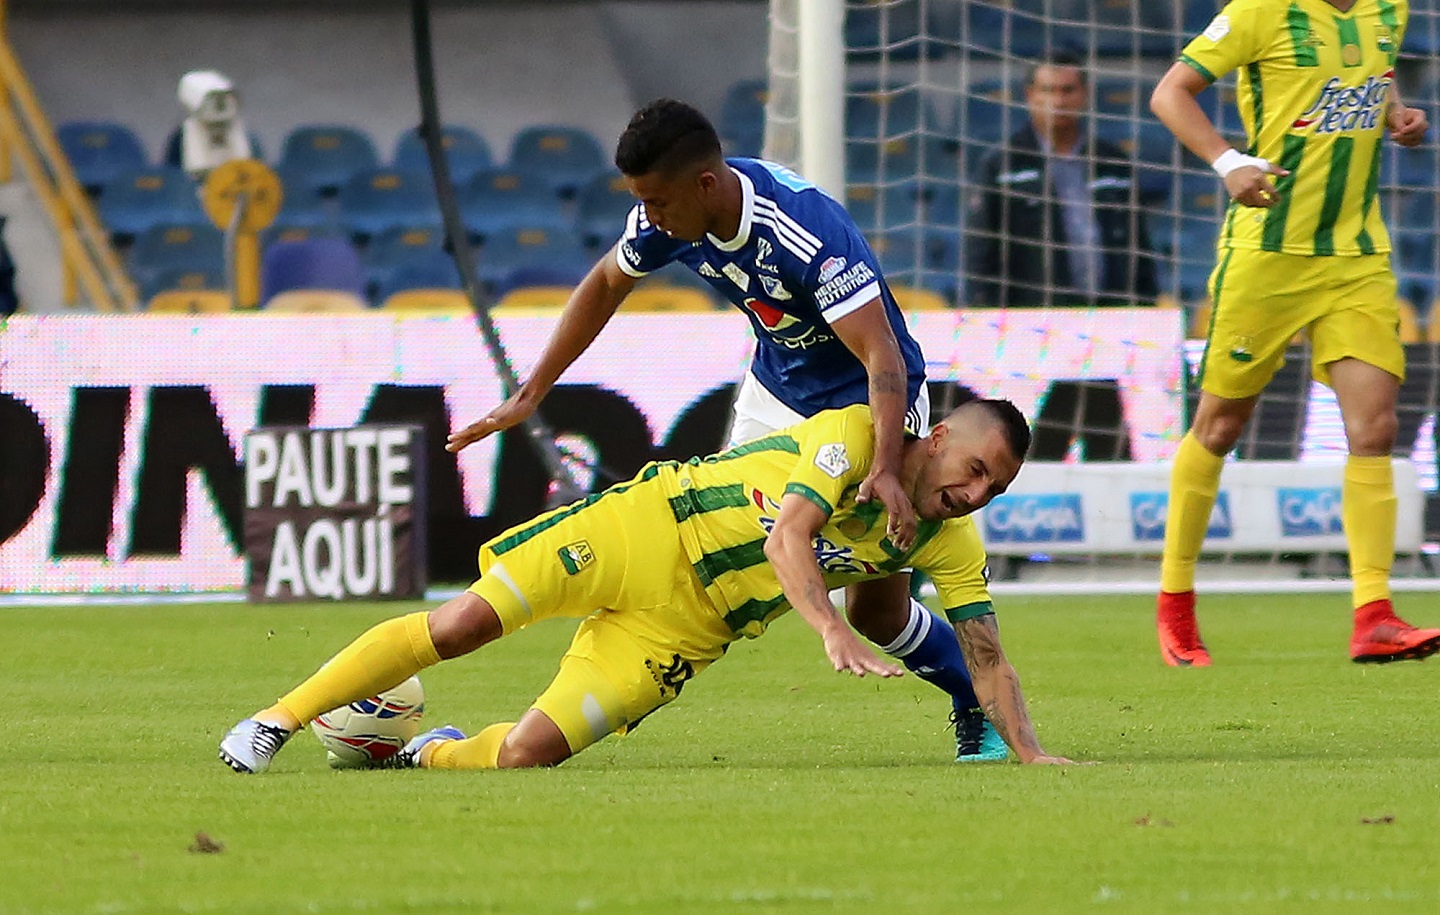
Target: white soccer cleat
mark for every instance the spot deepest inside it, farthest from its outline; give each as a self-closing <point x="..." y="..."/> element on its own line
<point x="251" y="745"/>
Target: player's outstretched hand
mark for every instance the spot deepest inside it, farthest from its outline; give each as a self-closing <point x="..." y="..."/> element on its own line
<point x="886" y="487"/>
<point x="512" y="412"/>
<point x="1252" y="187"/>
<point x="847" y="653"/>
<point x="1053" y="761"/>
<point x="1407" y="125"/>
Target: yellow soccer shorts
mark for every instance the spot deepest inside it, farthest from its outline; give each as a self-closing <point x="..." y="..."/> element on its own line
<point x="616" y="560"/>
<point x="1263" y="298"/>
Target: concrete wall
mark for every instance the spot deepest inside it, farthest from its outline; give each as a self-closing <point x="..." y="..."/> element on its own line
<point x="501" y="66"/>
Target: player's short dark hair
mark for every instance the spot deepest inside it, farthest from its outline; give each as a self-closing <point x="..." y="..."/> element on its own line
<point x="1057" y="57"/>
<point x="664" y="137"/>
<point x="1009" y="418"/>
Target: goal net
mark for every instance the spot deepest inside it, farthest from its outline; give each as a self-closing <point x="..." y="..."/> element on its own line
<point x="934" y="97"/>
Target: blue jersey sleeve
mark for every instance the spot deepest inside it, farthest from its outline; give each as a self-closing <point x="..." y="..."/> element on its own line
<point x="844" y="274"/>
<point x="644" y="248"/>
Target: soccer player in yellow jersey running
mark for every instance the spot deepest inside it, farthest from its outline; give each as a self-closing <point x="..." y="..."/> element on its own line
<point x="1303" y="247"/>
<point x="684" y="559"/>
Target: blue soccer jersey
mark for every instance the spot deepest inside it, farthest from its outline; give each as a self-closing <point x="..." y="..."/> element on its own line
<point x="797" y="265"/>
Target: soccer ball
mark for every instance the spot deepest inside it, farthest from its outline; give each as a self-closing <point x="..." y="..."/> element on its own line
<point x="363" y="733"/>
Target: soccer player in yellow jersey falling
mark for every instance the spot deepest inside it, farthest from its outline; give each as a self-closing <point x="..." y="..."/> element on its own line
<point x="683" y="560"/>
<point x="1303" y="247"/>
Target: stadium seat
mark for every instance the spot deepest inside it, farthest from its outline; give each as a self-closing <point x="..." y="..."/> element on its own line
<point x="466" y="152"/>
<point x="991" y="30"/>
<point x="186" y="248"/>
<point x="323" y="158"/>
<point x="303" y="204"/>
<point x="317" y="263"/>
<point x="531" y="247"/>
<point x="499" y="200"/>
<point x="990" y="111"/>
<point x="373" y="201"/>
<point x="535" y="297"/>
<point x="655" y="297"/>
<point x="149" y="197"/>
<point x="872" y="112"/>
<point x="538" y="275"/>
<point x="879" y="206"/>
<point x="285" y="231"/>
<point x="315" y="300"/>
<point x="181" y="279"/>
<point x="1413" y="230"/>
<point x="601" y="208"/>
<point x="427" y="268"/>
<point x="911" y="298"/>
<point x="189" y="301"/>
<point x="562" y="157"/>
<point x="100" y="151"/>
<point x="742" y="117"/>
<point x="889" y="28"/>
<point x="391" y="248"/>
<point x="445" y="301"/>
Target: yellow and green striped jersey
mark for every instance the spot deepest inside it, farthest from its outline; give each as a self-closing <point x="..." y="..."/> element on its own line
<point x="1312" y="87"/>
<point x="725" y="505"/>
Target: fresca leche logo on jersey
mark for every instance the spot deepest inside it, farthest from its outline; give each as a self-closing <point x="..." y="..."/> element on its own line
<point x="1341" y="109"/>
<point x="1309" y="512"/>
<point x="1058" y="518"/>
<point x="1147" y="517"/>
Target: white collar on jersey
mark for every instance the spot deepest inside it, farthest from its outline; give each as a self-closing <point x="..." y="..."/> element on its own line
<point x="747" y="215"/>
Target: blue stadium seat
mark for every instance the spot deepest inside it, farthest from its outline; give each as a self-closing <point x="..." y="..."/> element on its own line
<point x="188" y="279"/>
<point x="465" y="150"/>
<point x="990" y="111"/>
<point x="501" y="199"/>
<point x="889" y="28"/>
<point x="390" y="249"/>
<point x="526" y="246"/>
<point x="303" y="204"/>
<point x="876" y="207"/>
<point x="324" y="157"/>
<point x="100" y="151"/>
<point x="427" y="268"/>
<point x="870" y="161"/>
<point x="601" y="208"/>
<point x="149" y="197"/>
<point x="1196" y="16"/>
<point x="384" y="198"/>
<point x="184" y="247"/>
<point x="992" y="30"/>
<point x="1422" y="36"/>
<point x="538" y="275"/>
<point x="872" y="112"/>
<point x="316" y="263"/>
<point x="1414" y="238"/>
<point x="283" y="231"/>
<point x="563" y="157"/>
<point x="742" y="117"/>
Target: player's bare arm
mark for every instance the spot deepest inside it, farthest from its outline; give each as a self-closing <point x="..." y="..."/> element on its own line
<point x="791" y="552"/>
<point x="997" y="686"/>
<point x="1407" y="125"/>
<point x="1248" y="179"/>
<point x="867" y="333"/>
<point x="588" y="310"/>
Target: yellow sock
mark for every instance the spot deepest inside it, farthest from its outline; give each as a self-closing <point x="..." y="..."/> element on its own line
<point x="1368" y="509"/>
<point x="479" y="752"/>
<point x="1194" y="482"/>
<point x="383" y="656"/>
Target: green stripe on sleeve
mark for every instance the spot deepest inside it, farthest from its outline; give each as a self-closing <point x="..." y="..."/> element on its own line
<point x="1335" y="184"/>
<point x="969" y="611"/>
<point x="1197" y="66"/>
<point x="1273" y="237"/>
<point x="800" y="489"/>
<point x="712" y="498"/>
<point x="1299" y="23"/>
<point x="731" y="559"/>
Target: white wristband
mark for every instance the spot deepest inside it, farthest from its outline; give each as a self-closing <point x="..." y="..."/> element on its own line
<point x="1232" y="159"/>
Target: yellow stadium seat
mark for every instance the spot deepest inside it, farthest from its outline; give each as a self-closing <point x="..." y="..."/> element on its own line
<point x="535" y="297"/>
<point x="190" y="301"/>
<point x="440" y="301"/>
<point x="913" y="298"/>
<point x="316" y="300"/>
<point x="1410" y="330"/>
<point x="655" y="297"/>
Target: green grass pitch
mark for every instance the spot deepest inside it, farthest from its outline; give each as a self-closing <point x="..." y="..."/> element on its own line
<point x="1285" y="779"/>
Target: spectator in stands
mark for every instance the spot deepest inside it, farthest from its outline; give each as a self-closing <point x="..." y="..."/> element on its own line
<point x="1055" y="220"/>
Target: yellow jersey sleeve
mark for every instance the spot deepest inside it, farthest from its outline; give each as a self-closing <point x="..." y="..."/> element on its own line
<point x="837" y="448"/>
<point x="955" y="560"/>
<point x="1237" y="36"/>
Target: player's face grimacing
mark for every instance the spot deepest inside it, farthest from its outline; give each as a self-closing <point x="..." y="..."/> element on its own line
<point x="678" y="205"/>
<point x="962" y="472"/>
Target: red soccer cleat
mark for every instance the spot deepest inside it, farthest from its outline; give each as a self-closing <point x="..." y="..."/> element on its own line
<point x="1180" y="643"/>
<point x="1381" y="637"/>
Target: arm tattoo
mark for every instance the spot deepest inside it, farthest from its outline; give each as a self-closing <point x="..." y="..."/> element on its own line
<point x="888" y="383"/>
<point x="1003" y="702"/>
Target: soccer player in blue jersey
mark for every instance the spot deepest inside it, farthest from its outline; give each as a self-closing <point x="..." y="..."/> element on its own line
<point x="828" y="335"/>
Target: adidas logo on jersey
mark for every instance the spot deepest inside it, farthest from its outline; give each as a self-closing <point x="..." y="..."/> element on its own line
<point x="708" y="271"/>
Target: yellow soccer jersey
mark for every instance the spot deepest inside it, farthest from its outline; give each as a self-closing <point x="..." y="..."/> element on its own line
<point x="1312" y="89"/>
<point x="726" y="504"/>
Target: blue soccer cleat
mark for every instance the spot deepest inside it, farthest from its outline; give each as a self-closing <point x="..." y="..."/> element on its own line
<point x="409" y="757"/>
<point x="976" y="739"/>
